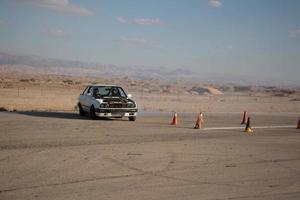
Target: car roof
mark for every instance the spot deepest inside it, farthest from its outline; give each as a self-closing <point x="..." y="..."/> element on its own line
<point x="105" y="85"/>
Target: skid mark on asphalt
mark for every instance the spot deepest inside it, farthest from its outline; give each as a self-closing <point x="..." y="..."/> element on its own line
<point x="280" y="186"/>
<point x="159" y="173"/>
<point x="236" y="164"/>
<point x="22" y="155"/>
<point x="266" y="195"/>
<point x="70" y="182"/>
<point x="118" y="162"/>
<point x="236" y="183"/>
<point x="147" y="173"/>
<point x="239" y="127"/>
<point x="141" y="173"/>
<point x="144" y="139"/>
<point x="133" y="140"/>
<point x="122" y="164"/>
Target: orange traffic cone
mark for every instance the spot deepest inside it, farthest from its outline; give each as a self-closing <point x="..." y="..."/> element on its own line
<point x="298" y="127"/>
<point x="248" y="128"/>
<point x="244" y="120"/>
<point x="175" y="119"/>
<point x="200" y="121"/>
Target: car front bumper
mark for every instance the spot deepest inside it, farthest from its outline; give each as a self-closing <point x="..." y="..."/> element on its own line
<point x="108" y="112"/>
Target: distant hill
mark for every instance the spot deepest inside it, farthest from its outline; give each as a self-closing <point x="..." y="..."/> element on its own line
<point x="38" y="64"/>
<point x="78" y="68"/>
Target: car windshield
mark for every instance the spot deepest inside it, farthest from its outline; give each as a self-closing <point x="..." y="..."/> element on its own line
<point x="105" y="91"/>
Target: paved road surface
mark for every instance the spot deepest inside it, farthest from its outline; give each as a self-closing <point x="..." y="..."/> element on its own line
<point x="46" y="155"/>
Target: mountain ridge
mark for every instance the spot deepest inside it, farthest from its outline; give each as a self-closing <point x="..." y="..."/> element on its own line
<point x="39" y="64"/>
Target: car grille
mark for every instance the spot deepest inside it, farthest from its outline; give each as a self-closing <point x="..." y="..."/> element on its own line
<point x="117" y="105"/>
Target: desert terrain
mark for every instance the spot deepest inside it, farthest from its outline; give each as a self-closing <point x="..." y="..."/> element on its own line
<point x="48" y="92"/>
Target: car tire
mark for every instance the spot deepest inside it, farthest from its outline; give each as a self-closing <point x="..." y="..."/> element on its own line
<point x="81" y="111"/>
<point x="132" y="118"/>
<point x="93" y="115"/>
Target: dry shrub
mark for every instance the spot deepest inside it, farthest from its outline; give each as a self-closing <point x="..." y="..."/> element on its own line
<point x="68" y="81"/>
<point x="2" y="109"/>
<point x="24" y="80"/>
<point x="199" y="90"/>
<point x="242" y="88"/>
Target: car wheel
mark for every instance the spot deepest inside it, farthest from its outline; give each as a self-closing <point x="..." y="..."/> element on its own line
<point x="132" y="118"/>
<point x="93" y="115"/>
<point x="81" y="111"/>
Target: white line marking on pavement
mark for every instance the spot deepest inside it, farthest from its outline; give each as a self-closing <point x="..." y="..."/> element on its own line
<point x="274" y="127"/>
<point x="224" y="128"/>
<point x="239" y="127"/>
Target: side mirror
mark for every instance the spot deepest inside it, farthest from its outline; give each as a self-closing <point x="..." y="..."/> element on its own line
<point x="129" y="95"/>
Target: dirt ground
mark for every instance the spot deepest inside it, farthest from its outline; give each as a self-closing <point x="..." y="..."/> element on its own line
<point x="59" y="155"/>
<point x="42" y="92"/>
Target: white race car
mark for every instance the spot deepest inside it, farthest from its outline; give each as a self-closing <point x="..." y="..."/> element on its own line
<point x="109" y="101"/>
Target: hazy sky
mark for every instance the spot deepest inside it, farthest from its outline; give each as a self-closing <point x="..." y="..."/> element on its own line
<point x="253" y="37"/>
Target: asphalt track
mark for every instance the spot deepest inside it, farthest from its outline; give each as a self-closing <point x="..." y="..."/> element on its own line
<point x="54" y="155"/>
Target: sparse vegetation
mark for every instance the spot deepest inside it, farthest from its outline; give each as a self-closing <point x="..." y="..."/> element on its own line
<point x="24" y="80"/>
<point x="68" y="81"/>
<point x="287" y="91"/>
<point x="281" y="92"/>
<point x="2" y="109"/>
<point x="295" y="99"/>
<point x="224" y="88"/>
<point x="242" y="88"/>
<point x="199" y="90"/>
<point x="268" y="88"/>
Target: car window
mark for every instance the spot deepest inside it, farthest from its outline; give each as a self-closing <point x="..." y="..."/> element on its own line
<point x="121" y="92"/>
<point x="104" y="90"/>
<point x="84" y="90"/>
<point x="87" y="90"/>
<point x="114" y="92"/>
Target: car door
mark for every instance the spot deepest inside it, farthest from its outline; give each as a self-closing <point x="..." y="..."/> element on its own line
<point x="90" y="99"/>
<point x="81" y="97"/>
<point x="84" y="98"/>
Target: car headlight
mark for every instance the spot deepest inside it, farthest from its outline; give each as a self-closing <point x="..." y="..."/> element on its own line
<point x="104" y="105"/>
<point x="130" y="105"/>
